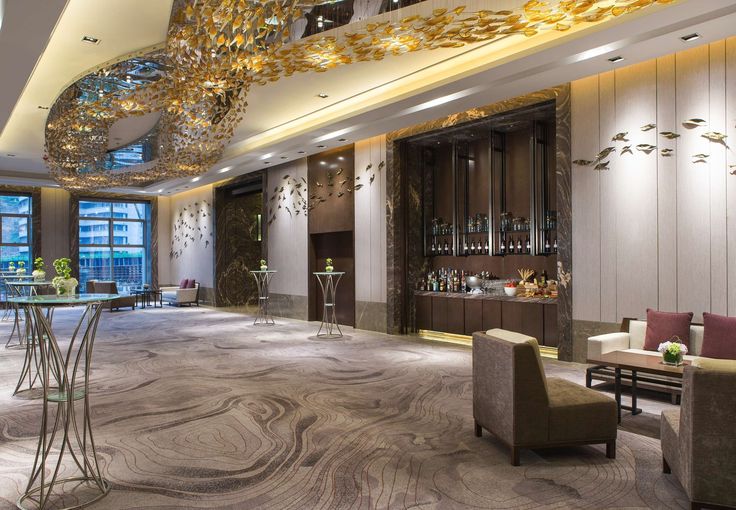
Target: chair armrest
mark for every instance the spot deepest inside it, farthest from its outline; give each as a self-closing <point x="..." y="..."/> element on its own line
<point x="186" y="295"/>
<point x="169" y="289"/>
<point x="601" y="344"/>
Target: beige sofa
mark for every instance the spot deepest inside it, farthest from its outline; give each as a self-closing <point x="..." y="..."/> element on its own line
<point x="515" y="401"/>
<point x="699" y="439"/>
<point x="178" y="297"/>
<point x="633" y="341"/>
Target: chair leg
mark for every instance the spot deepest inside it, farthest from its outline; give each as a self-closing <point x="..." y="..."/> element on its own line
<point x="478" y="430"/>
<point x="515" y="456"/>
<point x="665" y="467"/>
<point x="611" y="449"/>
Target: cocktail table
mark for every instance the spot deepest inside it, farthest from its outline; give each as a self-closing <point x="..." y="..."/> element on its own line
<point x="635" y="362"/>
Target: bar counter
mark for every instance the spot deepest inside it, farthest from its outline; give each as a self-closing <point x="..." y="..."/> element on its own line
<point x="464" y="313"/>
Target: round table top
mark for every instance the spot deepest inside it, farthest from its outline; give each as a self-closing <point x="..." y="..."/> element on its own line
<point x="15" y="276"/>
<point x="30" y="284"/>
<point x="265" y="271"/>
<point x="328" y="272"/>
<point x="53" y="300"/>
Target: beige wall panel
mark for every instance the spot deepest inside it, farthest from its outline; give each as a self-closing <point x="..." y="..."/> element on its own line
<point x="731" y="179"/>
<point x="636" y="191"/>
<point x="693" y="186"/>
<point x="288" y="238"/>
<point x="54" y="226"/>
<point x="586" y="241"/>
<point x="608" y="192"/>
<point x="718" y="181"/>
<point x="164" y="242"/>
<point x="667" y="185"/>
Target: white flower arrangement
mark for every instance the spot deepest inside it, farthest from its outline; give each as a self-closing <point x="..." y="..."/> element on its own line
<point x="673" y="348"/>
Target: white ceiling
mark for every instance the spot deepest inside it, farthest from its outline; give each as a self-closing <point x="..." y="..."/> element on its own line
<point x="286" y="117"/>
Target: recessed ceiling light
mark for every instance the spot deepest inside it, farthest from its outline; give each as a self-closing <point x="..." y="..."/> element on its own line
<point x="160" y="191"/>
<point x="691" y="37"/>
<point x="223" y="170"/>
<point x="322" y="95"/>
<point x="616" y="59"/>
<point x="90" y="39"/>
<point x="43" y="107"/>
<point x="284" y="157"/>
<point x="266" y="156"/>
<point x="321" y="146"/>
<point x="301" y="152"/>
<point x="266" y="162"/>
<point x="10" y="155"/>
<point x="342" y="139"/>
<point x="196" y="179"/>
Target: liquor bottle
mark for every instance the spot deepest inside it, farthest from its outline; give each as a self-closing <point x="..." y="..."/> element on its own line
<point x="554" y="246"/>
<point x="445" y="249"/>
<point x="519" y="247"/>
<point x="546" y="245"/>
<point x="433" y="249"/>
<point x="463" y="286"/>
<point x="465" y="245"/>
<point x="485" y="248"/>
<point x="528" y="248"/>
<point x="472" y="247"/>
<point x="435" y="284"/>
<point x="502" y="248"/>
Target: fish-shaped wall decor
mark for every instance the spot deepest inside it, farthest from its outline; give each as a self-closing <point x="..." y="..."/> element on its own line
<point x="626" y="149"/>
<point x="583" y="162"/>
<point x="645" y="148"/>
<point x="693" y="123"/>
<point x="666" y="152"/>
<point x="648" y="127"/>
<point x="715" y="136"/>
<point x="669" y="135"/>
<point x="620" y="137"/>
<point x="601" y="166"/>
<point x="700" y="158"/>
<point x="604" y="153"/>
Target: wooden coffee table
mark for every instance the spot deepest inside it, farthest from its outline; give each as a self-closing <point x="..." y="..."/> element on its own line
<point x="635" y="362"/>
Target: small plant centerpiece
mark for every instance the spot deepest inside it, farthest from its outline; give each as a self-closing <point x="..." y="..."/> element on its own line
<point x="264" y="266"/>
<point x="21" y="268"/>
<point x="39" y="273"/>
<point x="11" y="267"/>
<point x="328" y="265"/>
<point x="672" y="351"/>
<point x="64" y="284"/>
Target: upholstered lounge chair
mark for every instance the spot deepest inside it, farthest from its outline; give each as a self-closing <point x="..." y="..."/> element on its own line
<point x="699" y="439"/>
<point x="100" y="287"/>
<point x="515" y="401"/>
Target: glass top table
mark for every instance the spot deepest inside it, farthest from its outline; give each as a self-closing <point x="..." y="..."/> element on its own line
<point x="65" y="380"/>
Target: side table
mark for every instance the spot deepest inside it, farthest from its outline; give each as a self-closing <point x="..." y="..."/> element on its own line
<point x="328" y="283"/>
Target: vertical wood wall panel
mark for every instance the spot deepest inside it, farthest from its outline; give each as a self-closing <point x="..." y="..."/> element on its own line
<point x="656" y="230"/>
<point x="667" y="185"/>
<point x="730" y="276"/>
<point x="718" y="175"/>
<point x="636" y="191"/>
<point x="693" y="188"/>
<point x="586" y="240"/>
<point x="608" y="192"/>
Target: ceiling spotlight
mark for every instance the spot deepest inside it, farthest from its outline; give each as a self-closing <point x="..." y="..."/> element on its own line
<point x="196" y="179"/>
<point x="266" y="162"/>
<point x="691" y="37"/>
<point x="10" y="155"/>
<point x="616" y="59"/>
<point x="43" y="107"/>
<point x="301" y="152"/>
<point x="342" y="139"/>
<point x="160" y="191"/>
<point x="321" y="146"/>
<point x="284" y="157"/>
<point x="223" y="170"/>
<point x="322" y="95"/>
<point x="90" y="39"/>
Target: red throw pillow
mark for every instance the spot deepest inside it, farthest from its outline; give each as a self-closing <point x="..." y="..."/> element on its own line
<point x="184" y="283"/>
<point x="192" y="284"/>
<point x="719" y="336"/>
<point x="662" y="326"/>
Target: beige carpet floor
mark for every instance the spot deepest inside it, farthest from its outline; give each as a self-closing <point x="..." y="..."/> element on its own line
<point x="196" y="408"/>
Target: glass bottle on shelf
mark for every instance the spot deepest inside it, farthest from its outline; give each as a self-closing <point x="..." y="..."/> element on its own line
<point x="519" y="246"/>
<point x="528" y="247"/>
<point x="546" y="244"/>
<point x="502" y="248"/>
<point x="486" y="248"/>
<point x="554" y="246"/>
<point x="465" y="245"/>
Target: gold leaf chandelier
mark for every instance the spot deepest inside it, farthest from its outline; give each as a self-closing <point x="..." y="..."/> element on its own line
<point x="216" y="49"/>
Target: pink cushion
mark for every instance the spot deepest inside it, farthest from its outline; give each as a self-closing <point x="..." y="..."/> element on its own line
<point x="184" y="283"/>
<point x="192" y="284"/>
<point x="719" y="336"/>
<point x="663" y="326"/>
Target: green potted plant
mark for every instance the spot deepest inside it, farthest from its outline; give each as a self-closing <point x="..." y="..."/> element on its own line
<point x="264" y="266"/>
<point x="11" y="267"/>
<point x="672" y="351"/>
<point x="21" y="268"/>
<point x="64" y="283"/>
<point x="328" y="266"/>
<point x="39" y="273"/>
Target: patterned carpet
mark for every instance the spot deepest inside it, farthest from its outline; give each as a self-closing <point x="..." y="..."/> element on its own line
<point x="196" y="408"/>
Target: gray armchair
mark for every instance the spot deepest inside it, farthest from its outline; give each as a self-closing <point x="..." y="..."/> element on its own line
<point x="699" y="439"/>
<point x="100" y="287"/>
<point x="515" y="401"/>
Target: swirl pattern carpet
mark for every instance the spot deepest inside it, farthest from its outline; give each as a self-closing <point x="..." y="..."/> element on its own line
<point x="196" y="408"/>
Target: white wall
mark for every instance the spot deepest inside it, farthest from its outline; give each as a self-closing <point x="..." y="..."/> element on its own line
<point x="655" y="230"/>
<point x="288" y="238"/>
<point x="370" y="221"/>
<point x="164" y="241"/>
<point x="191" y="215"/>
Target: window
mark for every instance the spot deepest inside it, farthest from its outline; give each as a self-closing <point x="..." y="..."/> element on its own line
<point x="114" y="243"/>
<point x="15" y="240"/>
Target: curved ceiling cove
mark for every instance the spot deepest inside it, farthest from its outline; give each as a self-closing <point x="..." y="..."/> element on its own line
<point x="216" y="49"/>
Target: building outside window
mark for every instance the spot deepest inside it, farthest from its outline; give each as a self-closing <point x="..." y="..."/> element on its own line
<point x="15" y="243"/>
<point x="115" y="243"/>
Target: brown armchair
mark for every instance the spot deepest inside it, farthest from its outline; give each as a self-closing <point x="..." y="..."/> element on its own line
<point x="699" y="439"/>
<point x="100" y="287"/>
<point x="515" y="401"/>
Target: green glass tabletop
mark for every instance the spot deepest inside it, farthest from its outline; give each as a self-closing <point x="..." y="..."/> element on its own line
<point x="30" y="284"/>
<point x="265" y="271"/>
<point x="328" y="273"/>
<point x="51" y="300"/>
